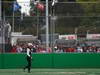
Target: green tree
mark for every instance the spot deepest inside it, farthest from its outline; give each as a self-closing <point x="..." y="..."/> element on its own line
<point x="7" y="7"/>
<point x="91" y="11"/>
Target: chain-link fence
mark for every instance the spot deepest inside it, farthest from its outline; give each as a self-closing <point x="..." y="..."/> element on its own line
<point x="25" y="22"/>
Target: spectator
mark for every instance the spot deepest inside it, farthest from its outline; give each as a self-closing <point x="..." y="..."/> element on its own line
<point x="19" y="49"/>
<point x="13" y="50"/>
<point x="98" y="50"/>
<point x="79" y="49"/>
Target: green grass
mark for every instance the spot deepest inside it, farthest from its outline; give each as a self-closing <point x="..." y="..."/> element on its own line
<point x="50" y="72"/>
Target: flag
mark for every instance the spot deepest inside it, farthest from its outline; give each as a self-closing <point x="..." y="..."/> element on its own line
<point x="16" y="6"/>
<point x="40" y="6"/>
<point x="54" y="1"/>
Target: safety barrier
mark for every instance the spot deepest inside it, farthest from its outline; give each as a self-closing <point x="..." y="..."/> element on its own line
<point x="52" y="60"/>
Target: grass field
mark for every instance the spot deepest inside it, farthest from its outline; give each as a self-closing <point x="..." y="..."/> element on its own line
<point x="50" y="72"/>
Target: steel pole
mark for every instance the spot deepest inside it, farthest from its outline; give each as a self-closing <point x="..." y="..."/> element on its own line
<point x="0" y="10"/>
<point x="47" y="26"/>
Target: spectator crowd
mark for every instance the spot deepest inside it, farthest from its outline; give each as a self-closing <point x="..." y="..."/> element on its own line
<point x="21" y="48"/>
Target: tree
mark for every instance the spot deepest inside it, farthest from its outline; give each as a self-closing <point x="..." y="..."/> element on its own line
<point x="71" y="0"/>
<point x="91" y="11"/>
<point x="7" y="7"/>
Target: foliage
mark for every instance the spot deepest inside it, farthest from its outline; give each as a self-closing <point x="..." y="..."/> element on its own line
<point x="7" y="7"/>
<point x="78" y="15"/>
<point x="67" y="14"/>
<point x="86" y="0"/>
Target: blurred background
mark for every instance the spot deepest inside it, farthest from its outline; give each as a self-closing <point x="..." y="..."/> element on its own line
<point x="73" y="25"/>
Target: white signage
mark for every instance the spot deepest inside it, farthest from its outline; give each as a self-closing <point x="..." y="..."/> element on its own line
<point x="68" y="37"/>
<point x="16" y="33"/>
<point x="93" y="36"/>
